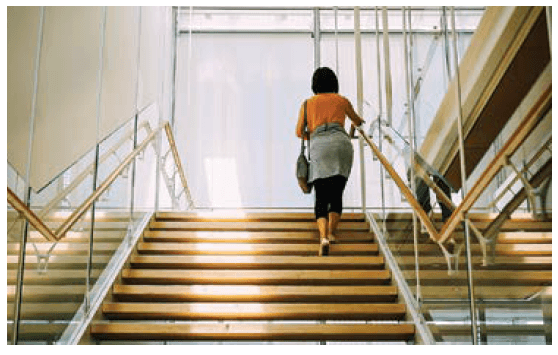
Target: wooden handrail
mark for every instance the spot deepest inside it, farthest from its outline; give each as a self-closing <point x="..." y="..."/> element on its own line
<point x="172" y="145"/>
<point x="80" y="211"/>
<point x="415" y="205"/>
<point x="79" y="179"/>
<point x="35" y="221"/>
<point x="517" y="138"/>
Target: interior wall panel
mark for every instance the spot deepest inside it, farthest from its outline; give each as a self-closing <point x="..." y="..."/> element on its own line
<point x="22" y="39"/>
<point x="151" y="46"/>
<point x="66" y="123"/>
<point x="120" y="72"/>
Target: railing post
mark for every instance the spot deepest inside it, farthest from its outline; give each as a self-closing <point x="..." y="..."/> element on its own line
<point x="411" y="129"/>
<point x="463" y="183"/>
<point x="317" y="37"/>
<point x="360" y="100"/>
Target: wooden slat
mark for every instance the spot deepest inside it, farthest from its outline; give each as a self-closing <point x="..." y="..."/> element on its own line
<point x="53" y="277"/>
<point x="481" y="292"/>
<point x="240" y="331"/>
<point x="254" y="311"/>
<point x="522" y="237"/>
<point x="481" y="277"/>
<point x="503" y="249"/>
<point x="38" y="332"/>
<point x="257" y="262"/>
<point x="253" y="226"/>
<point x="499" y="263"/>
<point x="44" y="311"/>
<point x="250" y="236"/>
<point x="253" y="249"/>
<point x="248" y="217"/>
<point x="60" y="261"/>
<point x="58" y="293"/>
<point x="64" y="248"/>
<point x="228" y="293"/>
<point x="259" y="277"/>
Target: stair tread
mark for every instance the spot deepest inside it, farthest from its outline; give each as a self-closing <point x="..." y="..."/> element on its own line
<point x="254" y="311"/>
<point x="257" y="261"/>
<point x="261" y="277"/>
<point x="250" y="293"/>
<point x="252" y="249"/>
<point x="250" y="217"/>
<point x="310" y="236"/>
<point x="242" y="331"/>
<point x="252" y="226"/>
<point x="499" y="249"/>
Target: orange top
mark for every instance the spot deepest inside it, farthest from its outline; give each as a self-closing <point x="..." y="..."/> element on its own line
<point x="326" y="108"/>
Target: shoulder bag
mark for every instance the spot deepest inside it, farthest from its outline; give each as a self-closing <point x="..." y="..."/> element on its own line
<point x="302" y="164"/>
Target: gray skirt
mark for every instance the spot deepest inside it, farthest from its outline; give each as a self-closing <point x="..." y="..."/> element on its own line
<point x="331" y="152"/>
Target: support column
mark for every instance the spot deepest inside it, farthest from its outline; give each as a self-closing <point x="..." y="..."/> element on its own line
<point x="463" y="184"/>
<point x="360" y="101"/>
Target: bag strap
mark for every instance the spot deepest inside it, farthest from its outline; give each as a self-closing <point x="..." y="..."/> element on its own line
<point x="305" y="130"/>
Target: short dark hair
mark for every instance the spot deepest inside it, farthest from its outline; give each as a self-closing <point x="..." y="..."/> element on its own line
<point x="324" y="80"/>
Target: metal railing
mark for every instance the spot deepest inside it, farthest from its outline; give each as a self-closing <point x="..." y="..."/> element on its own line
<point x="87" y="209"/>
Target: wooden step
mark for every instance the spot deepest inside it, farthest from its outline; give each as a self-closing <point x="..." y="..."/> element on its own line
<point x="64" y="248"/>
<point x="257" y="277"/>
<point x="482" y="292"/>
<point x="499" y="263"/>
<point x="253" y="249"/>
<point x="53" y="277"/>
<point x="256" y="262"/>
<point x="247" y="331"/>
<point x="248" y="217"/>
<point x="60" y="261"/>
<point x="229" y="293"/>
<point x="254" y="311"/>
<point x="45" y="311"/>
<point x="481" y="277"/>
<point x="48" y="293"/>
<point x="291" y="237"/>
<point x="252" y="226"/>
<point x="499" y="249"/>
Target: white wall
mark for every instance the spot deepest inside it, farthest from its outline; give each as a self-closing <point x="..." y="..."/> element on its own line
<point x="78" y="93"/>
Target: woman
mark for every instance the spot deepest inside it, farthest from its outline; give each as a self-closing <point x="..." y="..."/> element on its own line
<point x="331" y="151"/>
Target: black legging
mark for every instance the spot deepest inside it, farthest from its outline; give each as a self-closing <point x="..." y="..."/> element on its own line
<point x="329" y="195"/>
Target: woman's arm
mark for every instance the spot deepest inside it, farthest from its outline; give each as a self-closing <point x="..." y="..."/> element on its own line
<point x="355" y="118"/>
<point x="300" y="123"/>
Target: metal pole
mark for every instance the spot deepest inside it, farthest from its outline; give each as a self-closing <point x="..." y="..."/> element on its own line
<point x="136" y="118"/>
<point x="380" y="114"/>
<point x="336" y="43"/>
<point x="360" y="101"/>
<point x="27" y="186"/>
<point x="387" y="66"/>
<point x="411" y="129"/>
<point x="96" y="163"/>
<point x="464" y="183"/>
<point x="173" y="94"/>
<point x="317" y="36"/>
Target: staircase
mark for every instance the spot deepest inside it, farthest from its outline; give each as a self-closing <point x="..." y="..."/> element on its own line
<point x="256" y="277"/>
<point x="54" y="279"/>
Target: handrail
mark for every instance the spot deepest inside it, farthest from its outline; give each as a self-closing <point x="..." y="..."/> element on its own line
<point x="178" y="162"/>
<point x="75" y="183"/>
<point x="35" y="221"/>
<point x="415" y="205"/>
<point x="524" y="129"/>
<point x="81" y="210"/>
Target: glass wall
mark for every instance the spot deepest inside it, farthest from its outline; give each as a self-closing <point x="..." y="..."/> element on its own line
<point x="242" y="74"/>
